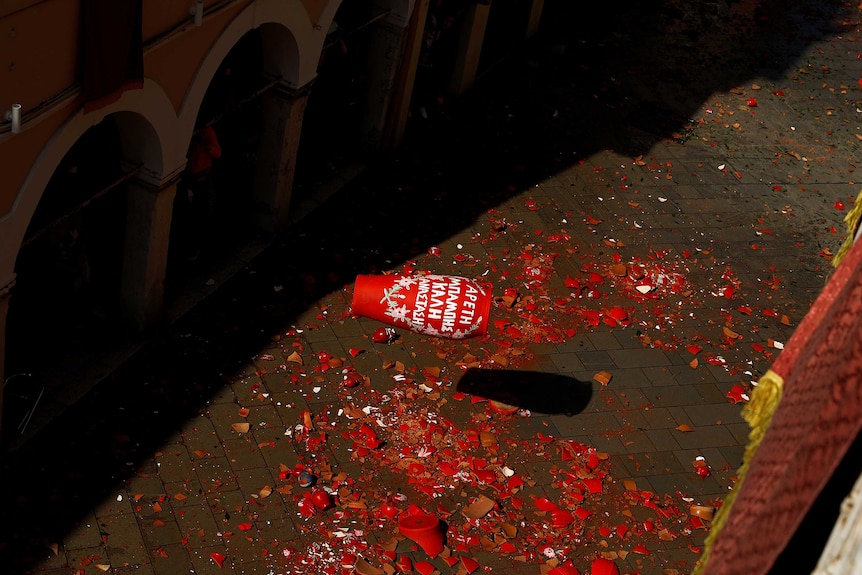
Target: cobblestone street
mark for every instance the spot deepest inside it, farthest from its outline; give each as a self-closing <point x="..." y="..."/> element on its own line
<point x="653" y="201"/>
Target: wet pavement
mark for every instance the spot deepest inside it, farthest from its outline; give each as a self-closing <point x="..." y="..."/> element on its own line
<point x="653" y="197"/>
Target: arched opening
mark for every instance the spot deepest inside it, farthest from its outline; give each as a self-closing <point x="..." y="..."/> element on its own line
<point x="332" y="133"/>
<point x="66" y="305"/>
<point x="212" y="215"/>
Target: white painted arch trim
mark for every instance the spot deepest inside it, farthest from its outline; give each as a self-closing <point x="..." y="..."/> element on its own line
<point x="155" y="127"/>
<point x="301" y="44"/>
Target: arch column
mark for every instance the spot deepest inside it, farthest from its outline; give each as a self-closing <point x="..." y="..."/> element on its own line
<point x="399" y="112"/>
<point x="535" y="18"/>
<point x="385" y="54"/>
<point x="470" y="47"/>
<point x="284" y="109"/>
<point x="148" y="228"/>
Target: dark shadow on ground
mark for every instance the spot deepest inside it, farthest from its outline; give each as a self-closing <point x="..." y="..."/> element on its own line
<point x="538" y="392"/>
<point x="622" y="76"/>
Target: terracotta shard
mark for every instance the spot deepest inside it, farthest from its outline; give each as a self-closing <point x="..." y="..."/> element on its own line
<point x="488" y="439"/>
<point x="705" y="512"/>
<point x="603" y="377"/>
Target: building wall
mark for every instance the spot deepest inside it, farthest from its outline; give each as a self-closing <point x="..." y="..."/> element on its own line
<point x="40" y="41"/>
<point x="40" y="69"/>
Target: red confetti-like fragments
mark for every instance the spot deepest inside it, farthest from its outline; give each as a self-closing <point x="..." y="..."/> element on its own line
<point x="606" y="287"/>
<point x="218" y="558"/>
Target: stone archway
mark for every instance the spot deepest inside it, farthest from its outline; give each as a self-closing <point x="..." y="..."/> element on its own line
<point x="214" y="199"/>
<point x="289" y="44"/>
<point x="157" y="153"/>
<point x="73" y="255"/>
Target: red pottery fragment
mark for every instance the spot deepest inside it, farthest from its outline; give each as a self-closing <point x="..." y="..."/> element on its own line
<point x="218" y="558"/>
<point x="602" y="566"/>
<point x="618" y="313"/>
<point x="321" y="499"/>
<point x="594" y="484"/>
<point x="404" y="564"/>
<point x="424" y="530"/>
<point x="469" y="564"/>
<point x="388" y="511"/>
<point x="561" y="518"/>
<point x="546" y="504"/>
<point x="383" y="335"/>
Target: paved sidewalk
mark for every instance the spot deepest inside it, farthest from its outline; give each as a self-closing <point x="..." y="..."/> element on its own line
<point x="653" y="202"/>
